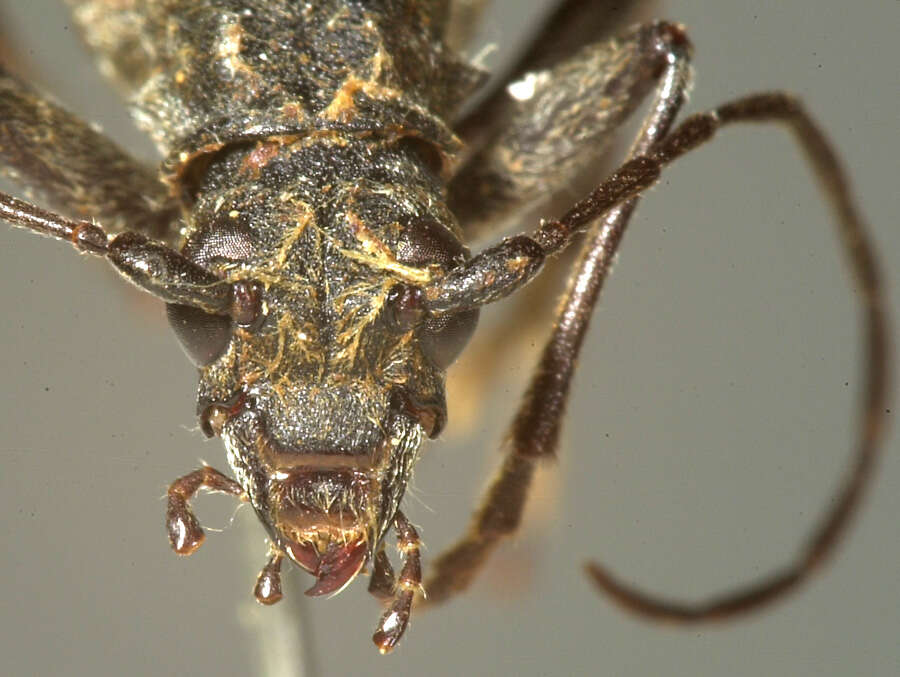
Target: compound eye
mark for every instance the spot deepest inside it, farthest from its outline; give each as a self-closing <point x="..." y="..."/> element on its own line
<point x="203" y="337"/>
<point x="443" y="338"/>
<point x="425" y="241"/>
<point x="222" y="241"/>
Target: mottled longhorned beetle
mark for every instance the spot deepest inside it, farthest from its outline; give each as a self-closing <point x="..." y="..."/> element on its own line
<point x="307" y="240"/>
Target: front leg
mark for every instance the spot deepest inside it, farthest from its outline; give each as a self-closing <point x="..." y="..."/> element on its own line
<point x="557" y="122"/>
<point x="558" y="128"/>
<point x="185" y="532"/>
<point x="571" y="26"/>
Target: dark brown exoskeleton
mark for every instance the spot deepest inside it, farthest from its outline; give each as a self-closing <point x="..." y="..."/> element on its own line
<point x="307" y="240"/>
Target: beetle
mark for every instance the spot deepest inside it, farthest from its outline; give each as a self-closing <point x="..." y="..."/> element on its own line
<point x="342" y="568"/>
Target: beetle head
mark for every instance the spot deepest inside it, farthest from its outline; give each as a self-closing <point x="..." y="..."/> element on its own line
<point x="329" y="373"/>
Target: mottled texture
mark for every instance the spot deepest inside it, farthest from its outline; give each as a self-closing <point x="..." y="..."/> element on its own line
<point x="307" y="146"/>
<point x="304" y="140"/>
<point x="192" y="65"/>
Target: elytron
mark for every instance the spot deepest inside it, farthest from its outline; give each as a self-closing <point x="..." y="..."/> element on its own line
<point x="306" y="232"/>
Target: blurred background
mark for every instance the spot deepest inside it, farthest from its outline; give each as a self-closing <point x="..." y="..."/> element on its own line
<point x="710" y="422"/>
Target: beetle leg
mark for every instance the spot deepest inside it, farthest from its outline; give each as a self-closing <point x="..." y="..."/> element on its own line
<point x="534" y="434"/>
<point x="569" y="27"/>
<point x="77" y="168"/>
<point x="382" y="584"/>
<point x="185" y="532"/>
<point x="462" y="22"/>
<point x="861" y="256"/>
<point x="122" y="39"/>
<point x="656" y="52"/>
<point x="268" y="584"/>
<point x="396" y="618"/>
<point x="152" y="266"/>
<point x="536" y="427"/>
<point x="557" y="122"/>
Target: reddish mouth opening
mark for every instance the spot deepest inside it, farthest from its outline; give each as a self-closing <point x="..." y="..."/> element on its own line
<point x="334" y="568"/>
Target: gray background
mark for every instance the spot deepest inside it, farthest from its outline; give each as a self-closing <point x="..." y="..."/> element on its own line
<point x="708" y="426"/>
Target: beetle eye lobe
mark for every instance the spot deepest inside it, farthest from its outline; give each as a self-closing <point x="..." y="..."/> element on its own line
<point x="425" y="241"/>
<point x="404" y="308"/>
<point x="203" y="337"/>
<point x="221" y="241"/>
<point x="247" y="303"/>
<point x="443" y="338"/>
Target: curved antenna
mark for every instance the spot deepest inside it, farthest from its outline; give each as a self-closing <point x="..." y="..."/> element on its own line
<point x="780" y="107"/>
